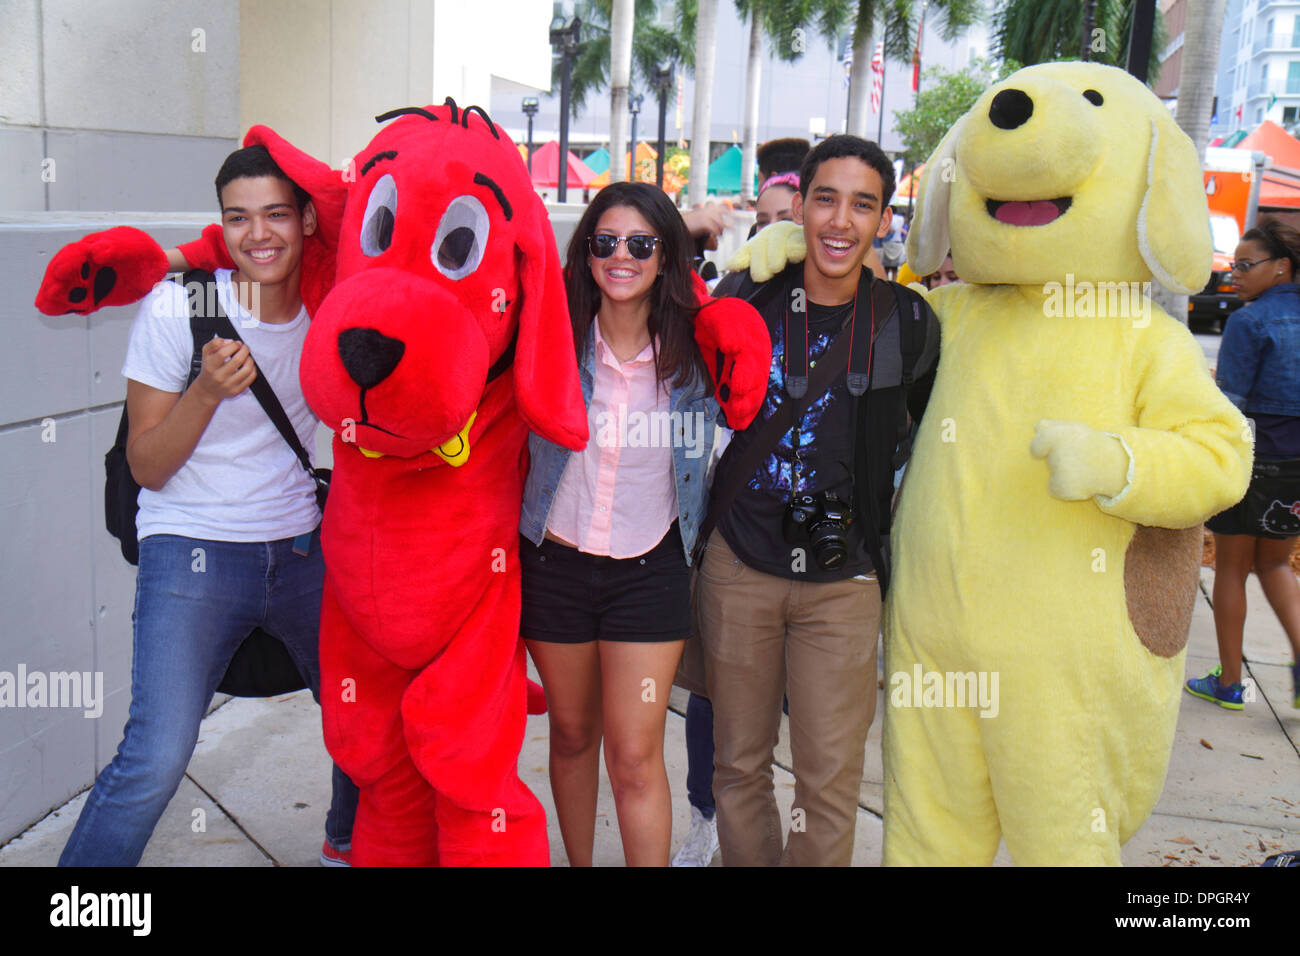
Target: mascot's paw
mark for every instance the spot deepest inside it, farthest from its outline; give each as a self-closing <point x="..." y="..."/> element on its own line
<point x="115" y="267"/>
<point x="770" y="251"/>
<point x="1083" y="461"/>
<point x="208" y="251"/>
<point x="733" y="339"/>
<point x="536" y="698"/>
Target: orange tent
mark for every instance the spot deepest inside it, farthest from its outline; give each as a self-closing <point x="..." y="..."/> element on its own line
<point x="644" y="151"/>
<point x="1277" y="189"/>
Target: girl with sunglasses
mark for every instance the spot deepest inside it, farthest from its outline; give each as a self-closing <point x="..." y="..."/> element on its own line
<point x="1259" y="370"/>
<point x="609" y="530"/>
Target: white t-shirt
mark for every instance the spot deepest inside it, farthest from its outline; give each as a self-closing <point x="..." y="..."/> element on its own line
<point x="243" y="482"/>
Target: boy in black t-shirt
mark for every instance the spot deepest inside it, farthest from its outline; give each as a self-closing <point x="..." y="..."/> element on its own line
<point x="777" y="612"/>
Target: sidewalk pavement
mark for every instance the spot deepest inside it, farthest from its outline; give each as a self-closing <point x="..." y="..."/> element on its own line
<point x="257" y="788"/>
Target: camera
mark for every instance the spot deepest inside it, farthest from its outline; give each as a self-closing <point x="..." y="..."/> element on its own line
<point x="821" y="522"/>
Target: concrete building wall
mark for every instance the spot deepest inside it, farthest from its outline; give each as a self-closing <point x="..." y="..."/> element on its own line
<point x="114" y="105"/>
<point x="319" y="71"/>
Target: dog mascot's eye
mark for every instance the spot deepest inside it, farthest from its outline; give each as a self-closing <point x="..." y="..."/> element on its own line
<point x="1093" y="97"/>
<point x="461" y="239"/>
<point x="381" y="214"/>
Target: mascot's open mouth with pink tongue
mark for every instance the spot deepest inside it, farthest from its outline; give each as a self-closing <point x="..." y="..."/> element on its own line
<point x="443" y="341"/>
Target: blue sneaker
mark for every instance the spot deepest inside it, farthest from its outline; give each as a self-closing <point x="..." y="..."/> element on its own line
<point x="1209" y="688"/>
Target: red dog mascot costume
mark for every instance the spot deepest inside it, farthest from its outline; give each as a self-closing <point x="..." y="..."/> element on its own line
<point x="440" y="336"/>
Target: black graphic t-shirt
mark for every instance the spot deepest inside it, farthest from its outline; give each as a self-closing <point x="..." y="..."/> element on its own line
<point x="752" y="525"/>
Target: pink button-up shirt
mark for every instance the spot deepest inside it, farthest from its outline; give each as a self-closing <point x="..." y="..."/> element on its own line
<point x="617" y="497"/>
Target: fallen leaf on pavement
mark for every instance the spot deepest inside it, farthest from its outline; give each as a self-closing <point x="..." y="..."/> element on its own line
<point x="1206" y="744"/>
<point x="1188" y="841"/>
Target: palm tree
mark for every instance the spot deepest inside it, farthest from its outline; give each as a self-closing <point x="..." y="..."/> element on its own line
<point x="652" y="44"/>
<point x="786" y="25"/>
<point x="899" y="23"/>
<point x="1038" y="31"/>
<point x="620" y="31"/>
<point x="706" y="28"/>
<point x="1201" y="32"/>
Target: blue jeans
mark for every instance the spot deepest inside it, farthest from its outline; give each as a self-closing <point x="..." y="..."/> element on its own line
<point x="699" y="754"/>
<point x="195" y="602"/>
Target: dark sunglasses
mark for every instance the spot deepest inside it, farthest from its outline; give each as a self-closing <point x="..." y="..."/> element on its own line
<point x="602" y="246"/>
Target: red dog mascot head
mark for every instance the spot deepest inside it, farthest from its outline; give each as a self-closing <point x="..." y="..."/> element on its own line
<point x="447" y="279"/>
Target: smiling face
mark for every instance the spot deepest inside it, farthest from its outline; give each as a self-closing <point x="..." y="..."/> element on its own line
<point x="264" y="229"/>
<point x="622" y="278"/>
<point x="1264" y="272"/>
<point x="841" y="215"/>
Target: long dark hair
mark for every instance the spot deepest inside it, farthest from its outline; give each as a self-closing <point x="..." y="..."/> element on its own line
<point x="1281" y="240"/>
<point x="673" y="302"/>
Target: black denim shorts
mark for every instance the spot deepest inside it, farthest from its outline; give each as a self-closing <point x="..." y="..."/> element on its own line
<point x="1271" y="507"/>
<point x="574" y="598"/>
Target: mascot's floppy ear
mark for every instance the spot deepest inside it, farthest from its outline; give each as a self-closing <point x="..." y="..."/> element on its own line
<point x="927" y="238"/>
<point x="547" y="391"/>
<point x="1173" y="226"/>
<point x="328" y="194"/>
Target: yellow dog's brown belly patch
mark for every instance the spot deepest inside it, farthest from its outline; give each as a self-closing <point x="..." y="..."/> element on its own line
<point x="1161" y="575"/>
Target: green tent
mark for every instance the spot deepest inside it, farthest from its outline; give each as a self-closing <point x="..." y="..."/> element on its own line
<point x="724" y="172"/>
<point x="598" y="161"/>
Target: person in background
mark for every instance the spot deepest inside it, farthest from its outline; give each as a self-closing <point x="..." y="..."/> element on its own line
<point x="774" y="201"/>
<point x="1259" y="370"/>
<point x="944" y="275"/>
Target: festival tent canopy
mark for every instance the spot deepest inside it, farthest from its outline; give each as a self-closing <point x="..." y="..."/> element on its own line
<point x="1274" y="141"/>
<point x="546" y="167"/>
<point x="724" y="172"/>
<point x="598" y="161"/>
<point x="645" y="158"/>
<point x="1276" y="189"/>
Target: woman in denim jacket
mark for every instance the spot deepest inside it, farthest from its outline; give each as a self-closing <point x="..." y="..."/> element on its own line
<point x="609" y="530"/>
<point x="1259" y="370"/>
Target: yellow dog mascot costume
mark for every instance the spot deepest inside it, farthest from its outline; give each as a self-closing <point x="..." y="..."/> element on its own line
<point x="1047" y="542"/>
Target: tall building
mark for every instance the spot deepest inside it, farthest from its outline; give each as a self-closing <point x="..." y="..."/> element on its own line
<point x="1259" y="66"/>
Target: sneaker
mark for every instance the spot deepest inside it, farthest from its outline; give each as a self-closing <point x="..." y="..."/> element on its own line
<point x="1209" y="688"/>
<point x="331" y="856"/>
<point x="701" y="842"/>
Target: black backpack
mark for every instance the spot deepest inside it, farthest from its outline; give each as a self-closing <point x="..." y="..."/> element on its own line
<point x="261" y="667"/>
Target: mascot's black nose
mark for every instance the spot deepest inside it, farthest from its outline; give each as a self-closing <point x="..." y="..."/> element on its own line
<point x="369" y="355"/>
<point x="1010" y="108"/>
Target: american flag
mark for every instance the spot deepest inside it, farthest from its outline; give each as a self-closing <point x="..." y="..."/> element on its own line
<point x="877" y="76"/>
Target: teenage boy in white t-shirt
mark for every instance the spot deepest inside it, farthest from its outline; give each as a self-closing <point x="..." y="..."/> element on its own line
<point x="223" y="498"/>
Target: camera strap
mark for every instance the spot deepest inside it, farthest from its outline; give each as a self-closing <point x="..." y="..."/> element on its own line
<point x="770" y="432"/>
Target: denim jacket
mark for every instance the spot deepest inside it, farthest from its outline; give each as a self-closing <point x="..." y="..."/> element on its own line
<point x="690" y="463"/>
<point x="1259" y="357"/>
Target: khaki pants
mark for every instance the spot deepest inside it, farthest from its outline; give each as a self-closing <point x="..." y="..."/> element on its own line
<point x="762" y="636"/>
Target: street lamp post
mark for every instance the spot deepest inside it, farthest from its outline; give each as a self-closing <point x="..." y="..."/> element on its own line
<point x="634" y="107"/>
<point x="530" y="110"/>
<point x="564" y="40"/>
<point x="663" y="82"/>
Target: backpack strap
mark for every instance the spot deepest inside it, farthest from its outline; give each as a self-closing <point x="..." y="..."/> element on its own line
<point x="199" y="284"/>
<point x="914" y="329"/>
